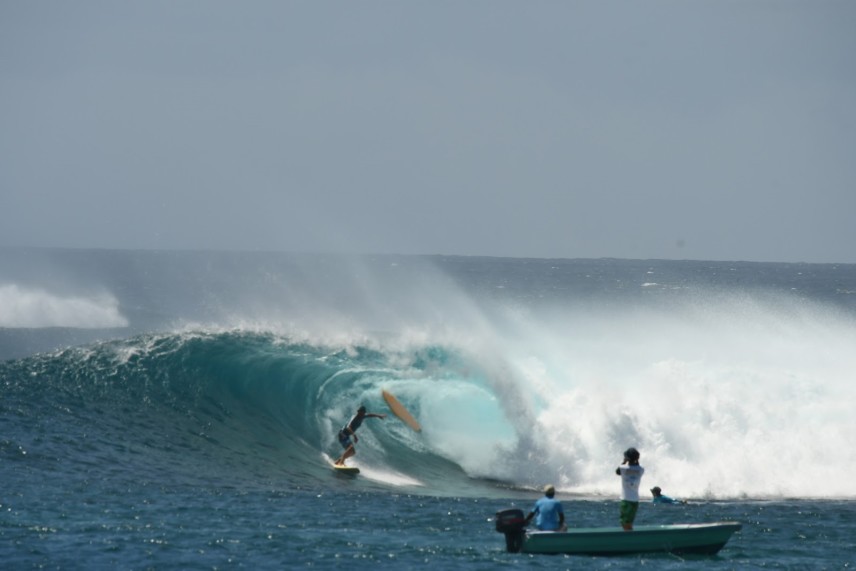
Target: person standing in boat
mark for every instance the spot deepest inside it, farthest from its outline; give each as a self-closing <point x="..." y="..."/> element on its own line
<point x="551" y="515"/>
<point x="631" y="475"/>
<point x="350" y="430"/>
<point x="660" y="498"/>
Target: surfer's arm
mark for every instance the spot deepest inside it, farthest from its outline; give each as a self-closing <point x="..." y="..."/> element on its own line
<point x="375" y="415"/>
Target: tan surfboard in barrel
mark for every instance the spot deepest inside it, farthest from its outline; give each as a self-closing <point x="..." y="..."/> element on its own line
<point x="398" y="410"/>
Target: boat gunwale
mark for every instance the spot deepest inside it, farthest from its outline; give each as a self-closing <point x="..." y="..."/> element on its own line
<point x="646" y="529"/>
<point x="701" y="538"/>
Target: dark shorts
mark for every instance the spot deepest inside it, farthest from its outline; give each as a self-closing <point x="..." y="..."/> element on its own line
<point x="345" y="439"/>
<point x="628" y="512"/>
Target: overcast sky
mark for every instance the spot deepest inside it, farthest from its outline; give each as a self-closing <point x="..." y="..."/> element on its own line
<point x="717" y="130"/>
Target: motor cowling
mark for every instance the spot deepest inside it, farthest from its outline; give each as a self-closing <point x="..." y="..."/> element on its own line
<point x="510" y="520"/>
<point x="512" y="523"/>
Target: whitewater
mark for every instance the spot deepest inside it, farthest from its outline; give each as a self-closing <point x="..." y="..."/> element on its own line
<point x="200" y="374"/>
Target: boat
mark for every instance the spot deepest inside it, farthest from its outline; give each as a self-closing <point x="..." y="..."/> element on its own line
<point x="680" y="538"/>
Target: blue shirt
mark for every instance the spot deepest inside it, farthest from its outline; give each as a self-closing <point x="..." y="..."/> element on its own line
<point x="547" y="512"/>
<point x="661" y="499"/>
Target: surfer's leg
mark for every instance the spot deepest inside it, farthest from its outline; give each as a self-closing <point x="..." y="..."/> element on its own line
<point x="345" y="455"/>
<point x="346" y="443"/>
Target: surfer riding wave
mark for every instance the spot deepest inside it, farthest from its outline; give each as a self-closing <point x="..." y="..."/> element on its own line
<point x="349" y="430"/>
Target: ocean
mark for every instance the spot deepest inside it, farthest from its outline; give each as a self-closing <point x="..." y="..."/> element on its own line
<point x="179" y="410"/>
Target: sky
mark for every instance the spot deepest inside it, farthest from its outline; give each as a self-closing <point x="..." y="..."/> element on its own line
<point x="685" y="129"/>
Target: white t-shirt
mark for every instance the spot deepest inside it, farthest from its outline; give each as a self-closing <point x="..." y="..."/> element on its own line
<point x="631" y="476"/>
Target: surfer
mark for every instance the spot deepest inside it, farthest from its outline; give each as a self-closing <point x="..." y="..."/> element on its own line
<point x="350" y="430"/>
<point x="631" y="476"/>
<point x="551" y="516"/>
<point x="660" y="498"/>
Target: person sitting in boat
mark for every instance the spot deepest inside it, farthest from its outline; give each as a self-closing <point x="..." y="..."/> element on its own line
<point x="660" y="498"/>
<point x="349" y="430"/>
<point x="549" y="512"/>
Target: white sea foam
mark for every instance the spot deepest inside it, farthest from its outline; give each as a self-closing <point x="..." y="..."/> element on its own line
<point x="747" y="397"/>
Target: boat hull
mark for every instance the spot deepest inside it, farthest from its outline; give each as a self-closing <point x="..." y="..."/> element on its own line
<point x="700" y="538"/>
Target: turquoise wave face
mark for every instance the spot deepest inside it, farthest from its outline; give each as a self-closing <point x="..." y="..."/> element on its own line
<point x="224" y="408"/>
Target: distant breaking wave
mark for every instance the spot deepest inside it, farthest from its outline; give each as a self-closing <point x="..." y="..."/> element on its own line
<point x="37" y="308"/>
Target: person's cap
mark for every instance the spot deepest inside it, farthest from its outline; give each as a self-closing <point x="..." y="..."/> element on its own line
<point x="549" y="489"/>
<point x="656" y="489"/>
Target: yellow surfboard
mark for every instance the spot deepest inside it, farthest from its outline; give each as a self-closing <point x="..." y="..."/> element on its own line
<point x="398" y="410"/>
<point x="350" y="470"/>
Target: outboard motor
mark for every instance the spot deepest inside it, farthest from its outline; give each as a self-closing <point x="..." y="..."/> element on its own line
<point x="512" y="523"/>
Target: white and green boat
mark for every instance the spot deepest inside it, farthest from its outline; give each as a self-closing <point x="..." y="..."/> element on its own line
<point x="684" y="538"/>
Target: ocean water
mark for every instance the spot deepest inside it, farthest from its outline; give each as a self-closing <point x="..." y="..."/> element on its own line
<point x="178" y="410"/>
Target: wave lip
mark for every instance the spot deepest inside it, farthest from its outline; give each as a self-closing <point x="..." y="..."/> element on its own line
<point x="36" y="308"/>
